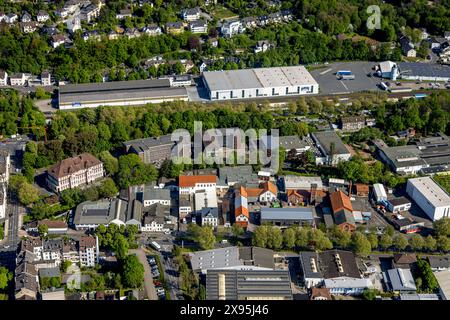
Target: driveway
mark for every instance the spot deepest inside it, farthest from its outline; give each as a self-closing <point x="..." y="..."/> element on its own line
<point x="148" y="279"/>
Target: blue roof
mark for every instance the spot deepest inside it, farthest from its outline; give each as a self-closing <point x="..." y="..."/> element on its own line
<point x="287" y="213"/>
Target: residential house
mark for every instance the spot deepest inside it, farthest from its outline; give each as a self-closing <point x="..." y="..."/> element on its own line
<point x="73" y="24"/>
<point x="407" y="47"/>
<point x="352" y="123"/>
<point x="73" y="172"/>
<point x="132" y="33"/>
<point x="342" y="211"/>
<point x="3" y="78"/>
<point x="208" y="217"/>
<point x="42" y="16"/>
<point x="90" y="12"/>
<point x="191" y="14"/>
<point x="262" y="46"/>
<point x="62" y="13"/>
<point x="26" y="281"/>
<point x="185" y="206"/>
<point x="174" y="27"/>
<point x="403" y="260"/>
<point x="275" y="17"/>
<point x="57" y="40"/>
<point x="152" y="30"/>
<point x="295" y="198"/>
<point x="124" y="13"/>
<point x="249" y="22"/>
<point x="439" y="263"/>
<point x="230" y="28"/>
<point x="26" y="17"/>
<point x="2" y="16"/>
<point x="28" y="27"/>
<point x="198" y="26"/>
<point x="46" y="78"/>
<point x="18" y="79"/>
<point x="11" y="18"/>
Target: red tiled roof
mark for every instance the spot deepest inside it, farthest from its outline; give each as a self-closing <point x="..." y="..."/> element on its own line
<point x="191" y="181"/>
<point x="339" y="201"/>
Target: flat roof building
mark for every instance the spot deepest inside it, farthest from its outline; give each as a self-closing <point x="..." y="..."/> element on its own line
<point x="443" y="279"/>
<point x="262" y="82"/>
<point x="430" y="197"/>
<point x="89" y="215"/>
<point x="288" y="216"/>
<point x="424" y="71"/>
<point x="118" y="93"/>
<point x="331" y="146"/>
<point x="248" y="285"/>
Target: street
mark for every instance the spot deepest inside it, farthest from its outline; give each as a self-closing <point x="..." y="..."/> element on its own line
<point x="171" y="276"/>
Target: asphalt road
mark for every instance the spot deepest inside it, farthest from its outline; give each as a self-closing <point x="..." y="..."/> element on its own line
<point x="148" y="278"/>
<point x="171" y="276"/>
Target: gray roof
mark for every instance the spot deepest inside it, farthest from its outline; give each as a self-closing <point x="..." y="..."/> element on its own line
<point x="121" y="95"/>
<point x="398" y="201"/>
<point x="100" y="212"/>
<point x="300" y="213"/>
<point x="248" y="284"/>
<point x="400" y="280"/>
<point x="214" y="212"/>
<point x="343" y="216"/>
<point x="232" y="257"/>
<point x="258" y="78"/>
<point x="156" y="212"/>
<point x="420" y="296"/>
<point x="49" y="272"/>
<point x="439" y="262"/>
<point x="114" y="85"/>
<point x="292" y="142"/>
<point x="307" y="262"/>
<point x="151" y="193"/>
<point x="329" y="268"/>
<point x="326" y="138"/>
<point x="237" y="174"/>
<point x="147" y="143"/>
<point x="424" y="69"/>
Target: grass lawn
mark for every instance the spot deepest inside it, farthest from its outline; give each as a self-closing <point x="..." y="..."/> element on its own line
<point x="223" y="13"/>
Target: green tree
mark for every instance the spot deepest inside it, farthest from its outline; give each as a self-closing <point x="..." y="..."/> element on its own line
<point x="203" y="236"/>
<point x="132" y="272"/>
<point x="108" y="188"/>
<point x="361" y="246"/>
<point x="301" y="237"/>
<point x="373" y="239"/>
<point x="400" y="242"/>
<point x="385" y="241"/>
<point x="133" y="171"/>
<point x="28" y="193"/>
<point x="442" y="226"/>
<point x="275" y="238"/>
<point x="121" y="247"/>
<point x="369" y="294"/>
<point x="42" y="230"/>
<point x="110" y="163"/>
<point x="389" y="230"/>
<point x="5" y="277"/>
<point x="430" y="243"/>
<point x="443" y="243"/>
<point x="237" y="230"/>
<point x="289" y="238"/>
<point x="260" y="237"/>
<point x="416" y="242"/>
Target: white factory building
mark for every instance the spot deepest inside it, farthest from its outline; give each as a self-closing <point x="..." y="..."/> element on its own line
<point x="258" y="83"/>
<point x="430" y="197"/>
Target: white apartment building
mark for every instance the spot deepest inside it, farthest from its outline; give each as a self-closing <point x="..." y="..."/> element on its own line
<point x="3" y="78"/>
<point x="430" y="197"/>
<point x="73" y="172"/>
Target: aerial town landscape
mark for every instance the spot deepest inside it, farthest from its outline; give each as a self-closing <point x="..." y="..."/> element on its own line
<point x="224" y="150"/>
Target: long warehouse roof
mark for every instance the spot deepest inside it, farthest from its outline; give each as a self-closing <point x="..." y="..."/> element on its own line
<point x="114" y="85"/>
<point x="258" y="78"/>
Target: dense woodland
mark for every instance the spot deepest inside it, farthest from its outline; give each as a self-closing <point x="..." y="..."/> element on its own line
<point x="310" y="39"/>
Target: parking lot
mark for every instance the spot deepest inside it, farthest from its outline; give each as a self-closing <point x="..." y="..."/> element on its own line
<point x="329" y="84"/>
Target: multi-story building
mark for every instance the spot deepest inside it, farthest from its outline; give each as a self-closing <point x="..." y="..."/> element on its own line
<point x="3" y="78"/>
<point x="198" y="26"/>
<point x="74" y="172"/>
<point x="89" y="251"/>
<point x="42" y="16"/>
<point x="331" y="147"/>
<point x="430" y="197"/>
<point x="46" y="78"/>
<point x="152" y="150"/>
<point x="231" y="28"/>
<point x="194" y="183"/>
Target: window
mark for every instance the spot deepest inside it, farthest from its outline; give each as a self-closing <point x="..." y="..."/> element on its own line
<point x="243" y="93"/>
